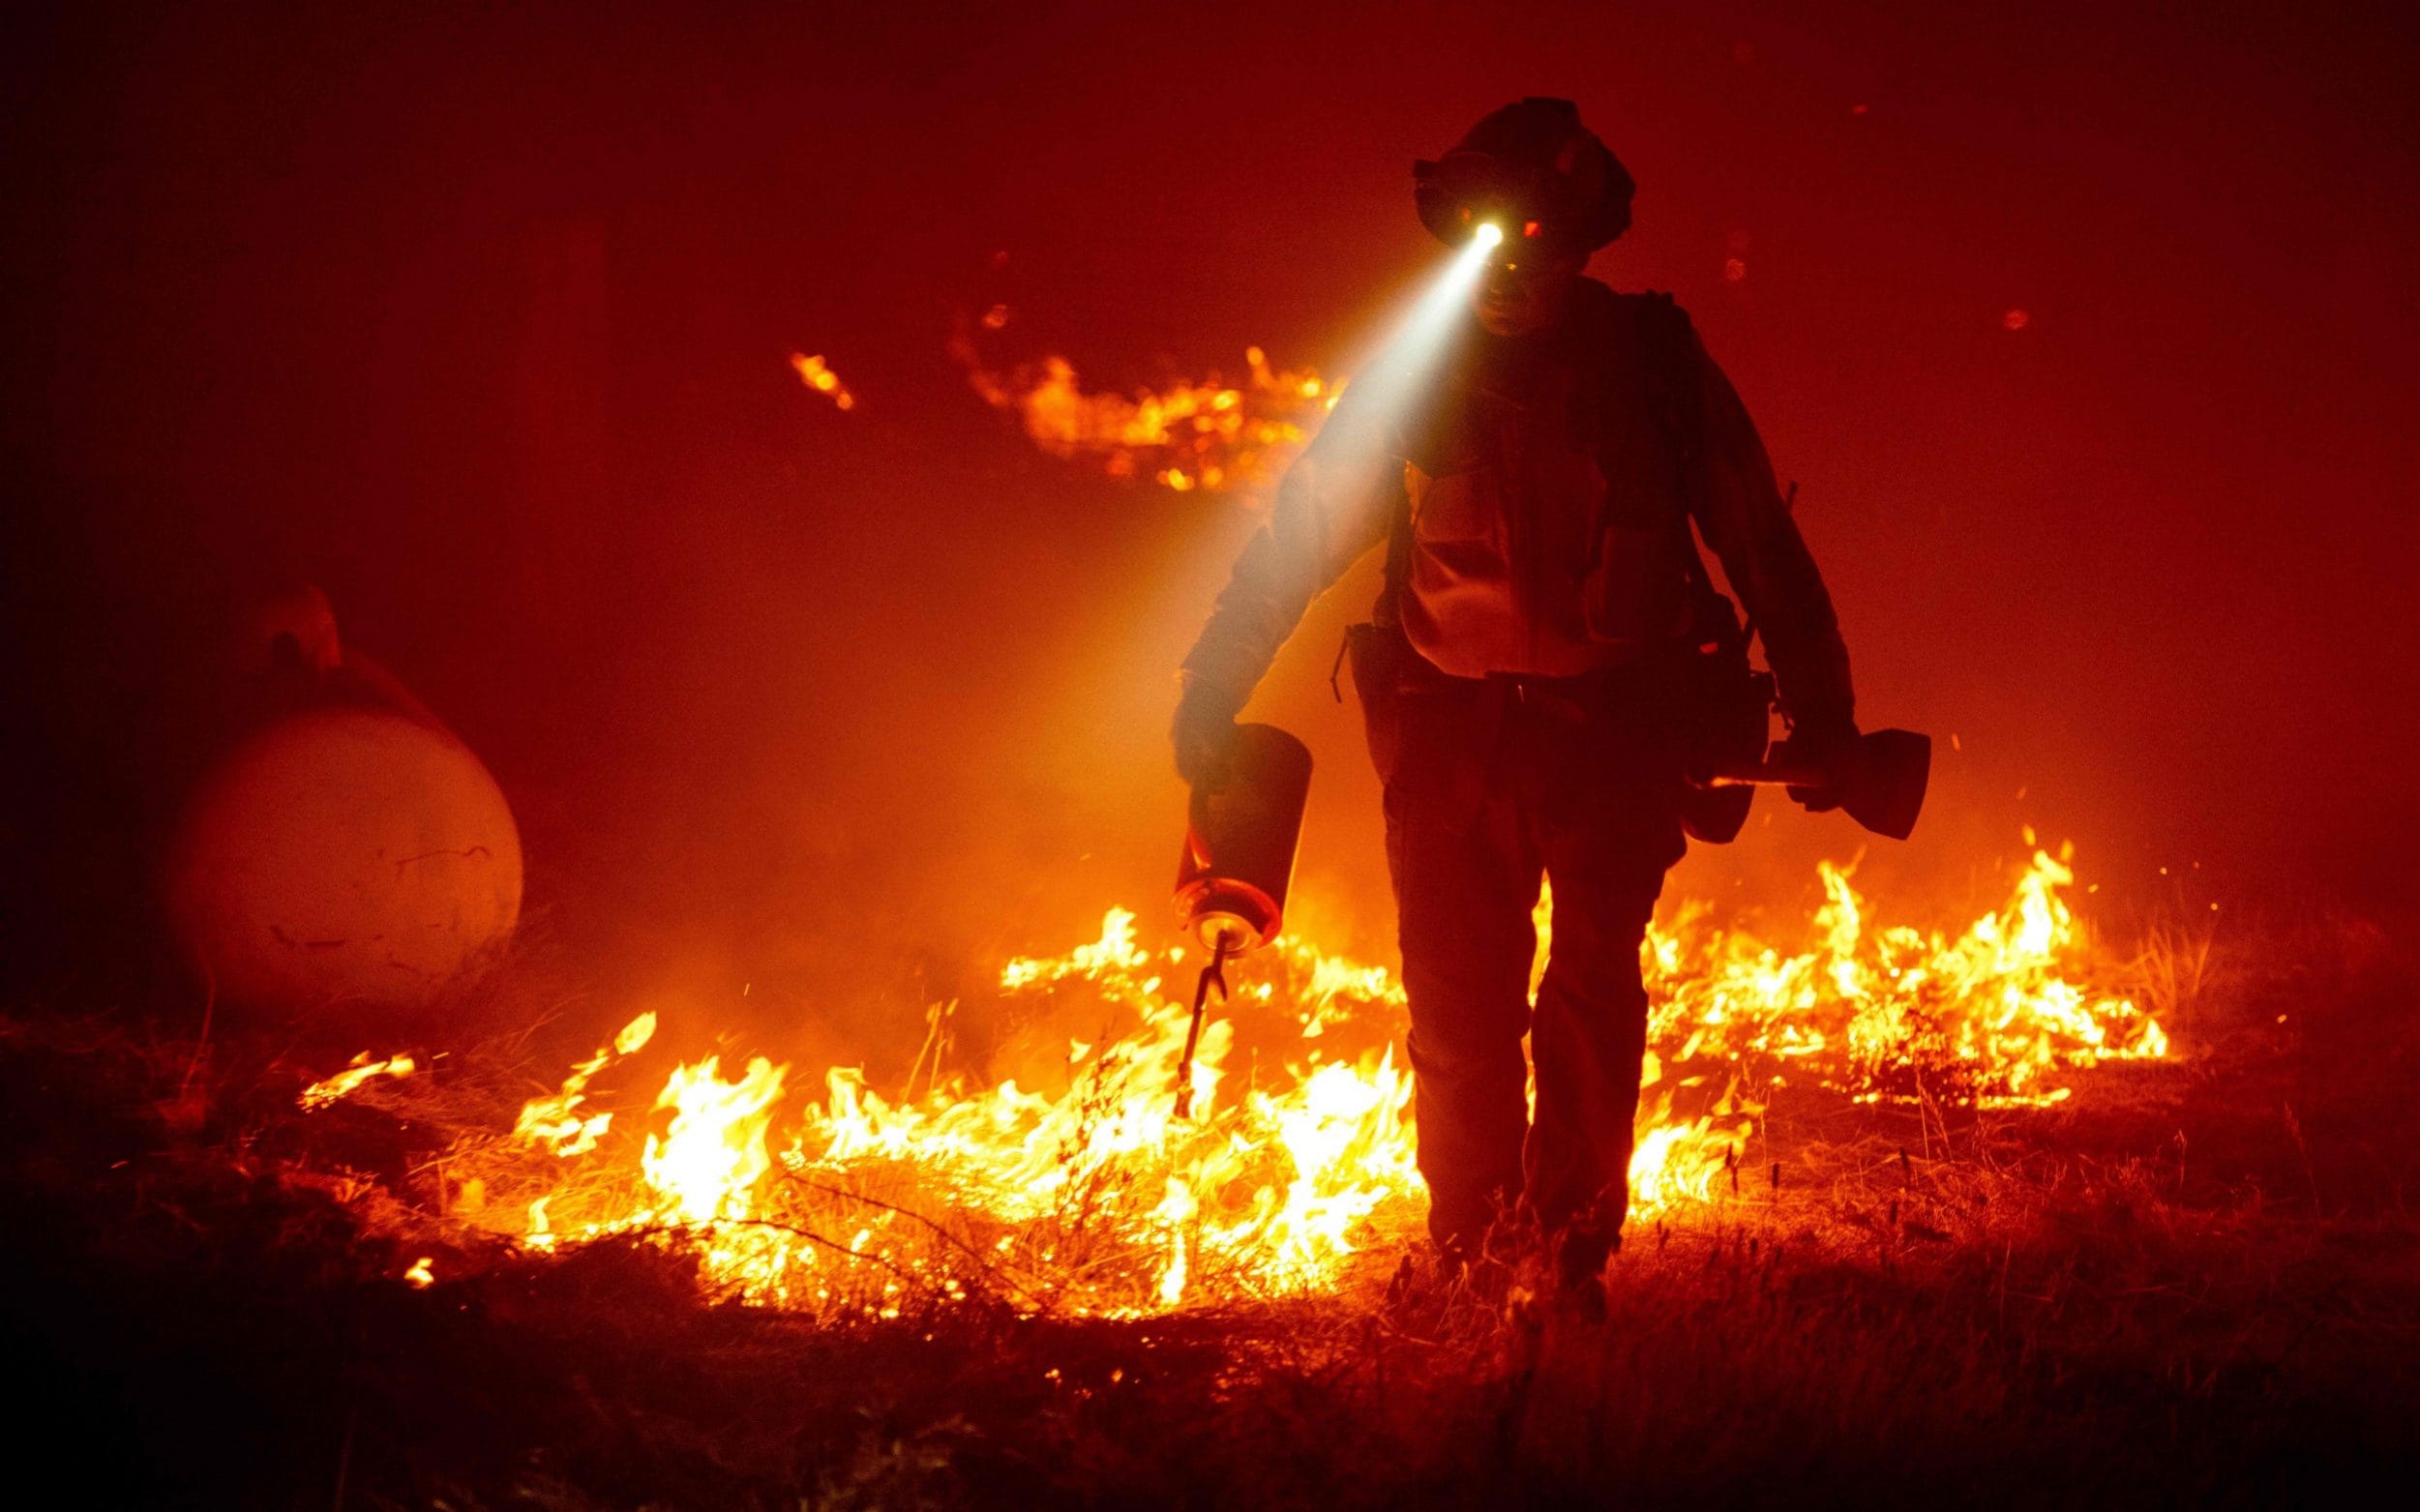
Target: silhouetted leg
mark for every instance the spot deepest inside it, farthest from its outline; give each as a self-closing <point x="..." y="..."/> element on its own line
<point x="1464" y="888"/>
<point x="1607" y="853"/>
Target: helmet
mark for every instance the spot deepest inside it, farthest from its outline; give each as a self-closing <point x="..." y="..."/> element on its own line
<point x="1536" y="171"/>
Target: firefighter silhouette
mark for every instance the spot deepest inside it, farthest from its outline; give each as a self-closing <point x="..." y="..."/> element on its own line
<point x="1546" y="651"/>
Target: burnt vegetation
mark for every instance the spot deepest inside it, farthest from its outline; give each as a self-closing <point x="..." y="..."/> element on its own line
<point x="2196" y="1283"/>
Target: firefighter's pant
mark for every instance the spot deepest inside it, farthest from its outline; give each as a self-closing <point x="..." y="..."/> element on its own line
<point x="1490" y="787"/>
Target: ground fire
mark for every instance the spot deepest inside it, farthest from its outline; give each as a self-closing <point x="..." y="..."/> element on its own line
<point x="1092" y="1196"/>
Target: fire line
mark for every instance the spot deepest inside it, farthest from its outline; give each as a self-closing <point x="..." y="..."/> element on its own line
<point x="1083" y="1193"/>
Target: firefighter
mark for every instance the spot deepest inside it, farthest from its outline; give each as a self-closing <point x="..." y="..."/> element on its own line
<point x="1536" y="669"/>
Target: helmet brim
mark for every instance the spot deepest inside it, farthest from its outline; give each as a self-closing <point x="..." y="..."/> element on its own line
<point x="1455" y="195"/>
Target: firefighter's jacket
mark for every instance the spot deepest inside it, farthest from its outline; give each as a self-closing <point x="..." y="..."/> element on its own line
<point x="1537" y="501"/>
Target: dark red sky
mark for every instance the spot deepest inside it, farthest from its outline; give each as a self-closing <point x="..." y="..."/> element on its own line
<point x="480" y="320"/>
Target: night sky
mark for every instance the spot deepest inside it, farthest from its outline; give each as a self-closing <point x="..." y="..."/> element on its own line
<point x="481" y="320"/>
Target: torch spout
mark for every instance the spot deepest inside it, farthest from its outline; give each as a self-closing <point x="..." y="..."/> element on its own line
<point x="1213" y="975"/>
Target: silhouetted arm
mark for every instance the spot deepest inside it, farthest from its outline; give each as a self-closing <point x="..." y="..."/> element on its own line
<point x="1334" y="504"/>
<point x="1743" y="519"/>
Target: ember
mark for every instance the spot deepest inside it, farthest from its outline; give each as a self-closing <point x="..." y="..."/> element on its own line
<point x="815" y="374"/>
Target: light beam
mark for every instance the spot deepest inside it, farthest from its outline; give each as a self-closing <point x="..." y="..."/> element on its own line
<point x="1403" y="361"/>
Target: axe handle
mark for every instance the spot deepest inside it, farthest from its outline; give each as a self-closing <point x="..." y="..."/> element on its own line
<point x="1765" y="774"/>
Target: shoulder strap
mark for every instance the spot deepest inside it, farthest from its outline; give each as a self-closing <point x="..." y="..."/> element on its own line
<point x="1398" y="555"/>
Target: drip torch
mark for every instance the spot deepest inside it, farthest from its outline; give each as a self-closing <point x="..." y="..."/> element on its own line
<point x="1241" y="830"/>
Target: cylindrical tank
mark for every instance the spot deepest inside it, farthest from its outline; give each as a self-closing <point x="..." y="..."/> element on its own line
<point x="344" y="846"/>
<point x="1239" y="842"/>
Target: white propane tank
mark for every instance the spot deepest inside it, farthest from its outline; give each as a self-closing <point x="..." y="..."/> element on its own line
<point x="345" y="847"/>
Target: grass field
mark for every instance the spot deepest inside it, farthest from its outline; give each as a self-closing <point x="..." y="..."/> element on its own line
<point x="2196" y="1282"/>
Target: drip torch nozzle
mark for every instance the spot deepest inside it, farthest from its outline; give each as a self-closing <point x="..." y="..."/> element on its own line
<point x="1213" y="975"/>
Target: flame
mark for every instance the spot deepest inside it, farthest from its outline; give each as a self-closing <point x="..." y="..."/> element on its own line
<point x="1897" y="1014"/>
<point x="715" y="1152"/>
<point x="421" y="1272"/>
<point x="342" y="1084"/>
<point x="1205" y="434"/>
<point x="1094" y="1197"/>
<point x="817" y="375"/>
<point x="554" y="1122"/>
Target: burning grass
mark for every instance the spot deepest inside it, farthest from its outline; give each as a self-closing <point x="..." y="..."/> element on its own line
<point x="1072" y="1185"/>
<point x="2166" y="1286"/>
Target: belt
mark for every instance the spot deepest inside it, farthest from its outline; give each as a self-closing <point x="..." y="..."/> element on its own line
<point x="1656" y="668"/>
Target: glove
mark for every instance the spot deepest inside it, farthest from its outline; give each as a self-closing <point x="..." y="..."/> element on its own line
<point x="1204" y="732"/>
<point x="1824" y="744"/>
